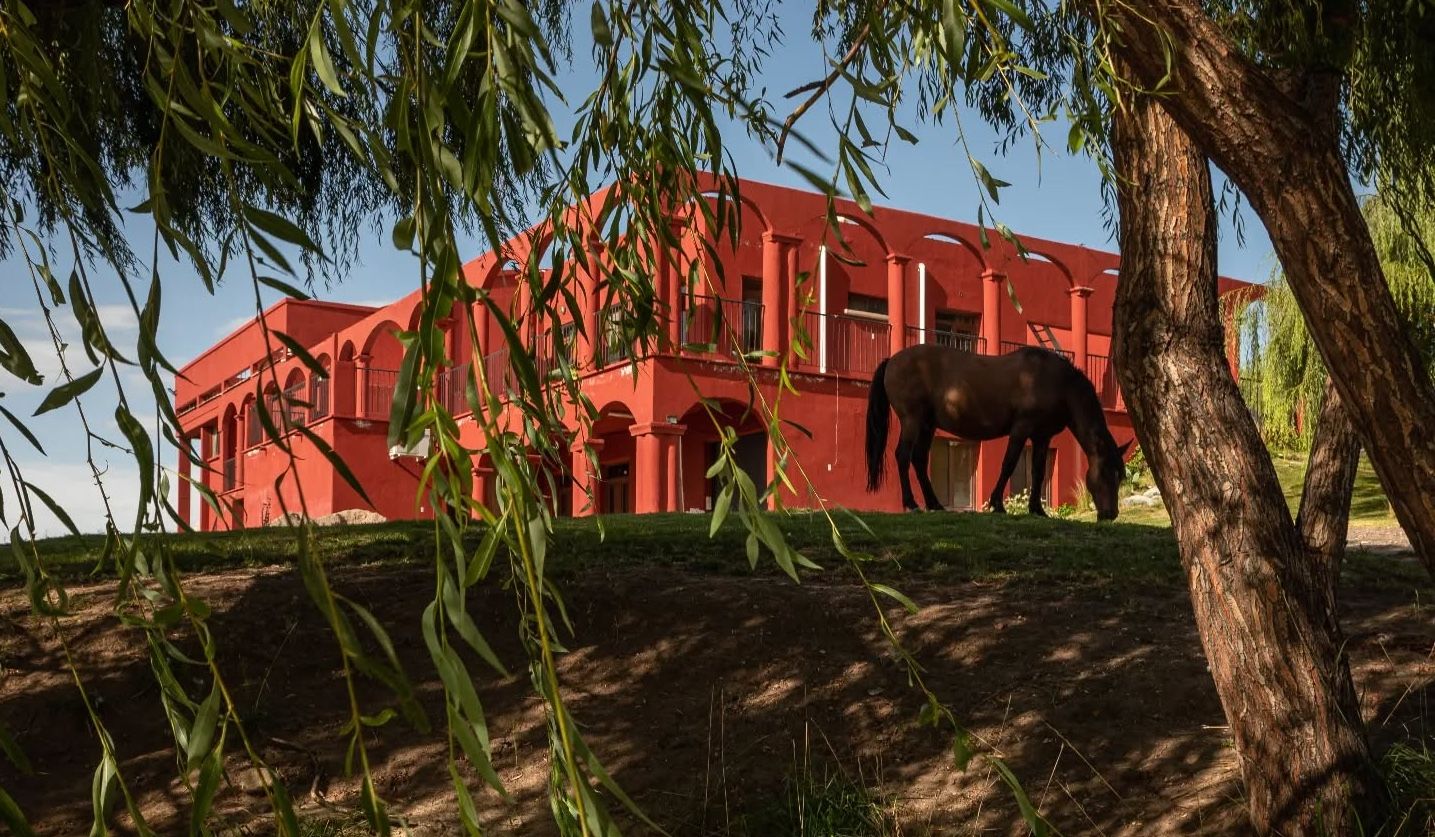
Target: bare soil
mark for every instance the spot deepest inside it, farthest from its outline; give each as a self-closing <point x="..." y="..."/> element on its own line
<point x="702" y="694"/>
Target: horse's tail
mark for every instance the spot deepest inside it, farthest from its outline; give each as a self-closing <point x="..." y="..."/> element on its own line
<point x="877" y="407"/>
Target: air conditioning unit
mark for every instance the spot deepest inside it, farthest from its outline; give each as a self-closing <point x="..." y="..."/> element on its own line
<point x="420" y="450"/>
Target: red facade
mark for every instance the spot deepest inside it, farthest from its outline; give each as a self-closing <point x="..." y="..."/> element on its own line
<point x="907" y="279"/>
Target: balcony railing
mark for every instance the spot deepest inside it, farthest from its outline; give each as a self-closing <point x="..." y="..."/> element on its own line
<point x="319" y="397"/>
<point x="296" y="412"/>
<point x="613" y="344"/>
<point x="253" y="430"/>
<point x="229" y="474"/>
<point x="956" y="340"/>
<point x="452" y="384"/>
<point x="724" y="327"/>
<point x="1103" y="376"/>
<point x="378" y="390"/>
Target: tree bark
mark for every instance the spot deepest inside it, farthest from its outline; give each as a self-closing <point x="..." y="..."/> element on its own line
<point x="1278" y="145"/>
<point x="1261" y="606"/>
<point x="1324" y="517"/>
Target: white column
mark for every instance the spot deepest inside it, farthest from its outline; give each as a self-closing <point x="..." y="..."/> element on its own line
<point x="921" y="302"/>
<point x="822" y="309"/>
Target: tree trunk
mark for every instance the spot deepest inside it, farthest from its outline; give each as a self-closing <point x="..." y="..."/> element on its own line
<point x="1261" y="606"/>
<point x="1282" y="152"/>
<point x="1324" y="517"/>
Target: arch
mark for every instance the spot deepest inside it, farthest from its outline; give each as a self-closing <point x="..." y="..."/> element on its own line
<point x="742" y="201"/>
<point x="952" y="237"/>
<point x="229" y="445"/>
<point x="616" y="488"/>
<point x="346" y="353"/>
<point x="252" y="431"/>
<point x="382" y="346"/>
<point x="1039" y="256"/>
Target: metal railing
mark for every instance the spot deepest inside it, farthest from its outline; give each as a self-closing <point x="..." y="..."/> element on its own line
<point x="229" y="474"/>
<point x="613" y="345"/>
<point x="957" y="340"/>
<point x="296" y="412"/>
<point x="718" y="326"/>
<point x="452" y="385"/>
<point x="253" y="430"/>
<point x="855" y="345"/>
<point x="1103" y="377"/>
<point x="319" y="399"/>
<point x="378" y="390"/>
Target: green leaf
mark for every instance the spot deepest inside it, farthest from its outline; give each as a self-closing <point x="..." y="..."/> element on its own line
<point x="282" y="287"/>
<point x="319" y="53"/>
<point x="907" y="603"/>
<point x="13" y="752"/>
<point x="201" y="732"/>
<point x="24" y="431"/>
<point x="15" y="359"/>
<point x="279" y="227"/>
<point x="13" y="817"/>
<point x="205" y="789"/>
<point x="720" y="509"/>
<point x="69" y="391"/>
<point x="602" y="33"/>
<point x="54" y="507"/>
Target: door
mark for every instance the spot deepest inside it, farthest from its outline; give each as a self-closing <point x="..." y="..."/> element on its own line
<point x="953" y="468"/>
<point x="615" y="489"/>
<point x="750" y="454"/>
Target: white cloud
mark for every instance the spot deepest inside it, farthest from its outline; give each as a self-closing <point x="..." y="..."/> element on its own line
<point x="117" y="318"/>
<point x="72" y="486"/>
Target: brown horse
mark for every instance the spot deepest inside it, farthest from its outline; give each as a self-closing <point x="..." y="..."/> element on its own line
<point x="1028" y="395"/>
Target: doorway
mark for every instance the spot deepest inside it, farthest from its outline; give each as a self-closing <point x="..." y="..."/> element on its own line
<point x="953" y="470"/>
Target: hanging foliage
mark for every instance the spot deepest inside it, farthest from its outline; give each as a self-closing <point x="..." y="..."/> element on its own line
<point x="1289" y="369"/>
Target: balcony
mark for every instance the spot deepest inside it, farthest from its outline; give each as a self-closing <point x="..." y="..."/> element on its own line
<point x="230" y="472"/>
<point x="724" y="327"/>
<point x="377" y="391"/>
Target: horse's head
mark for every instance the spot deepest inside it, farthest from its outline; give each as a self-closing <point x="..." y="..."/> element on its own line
<point x="1104" y="472"/>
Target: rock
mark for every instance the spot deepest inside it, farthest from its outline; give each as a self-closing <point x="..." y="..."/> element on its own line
<point x="347" y="517"/>
<point x="1141" y="500"/>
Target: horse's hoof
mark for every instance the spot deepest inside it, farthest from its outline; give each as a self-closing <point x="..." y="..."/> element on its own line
<point x="912" y="510"/>
<point x="1036" y="512"/>
<point x="996" y="510"/>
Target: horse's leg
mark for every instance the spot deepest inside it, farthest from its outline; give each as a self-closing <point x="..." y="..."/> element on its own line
<point x="1014" y="444"/>
<point x="1038" y="475"/>
<point x="906" y="445"/>
<point x="921" y="458"/>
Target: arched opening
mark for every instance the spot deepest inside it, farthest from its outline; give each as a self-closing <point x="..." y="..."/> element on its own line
<point x="701" y="445"/>
<point x="253" y="432"/>
<point x="385" y="356"/>
<point x="845" y="307"/>
<point x="319" y="390"/>
<point x="948" y="294"/>
<point x="273" y="410"/>
<point x="347" y="352"/>
<point x="611" y="436"/>
<point x="229" y="442"/>
<point x="295" y="401"/>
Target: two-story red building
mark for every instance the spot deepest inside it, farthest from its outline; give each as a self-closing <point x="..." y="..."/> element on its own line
<point x="908" y="279"/>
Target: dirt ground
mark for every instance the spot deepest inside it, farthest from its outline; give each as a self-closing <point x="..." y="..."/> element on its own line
<point x="702" y="693"/>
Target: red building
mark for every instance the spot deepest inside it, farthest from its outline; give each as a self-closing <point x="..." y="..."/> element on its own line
<point x="914" y="279"/>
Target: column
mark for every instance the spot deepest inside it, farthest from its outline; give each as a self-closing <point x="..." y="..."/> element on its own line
<point x="674" y="280"/>
<point x="897" y="302"/>
<point x="361" y="387"/>
<point x="790" y="290"/>
<point x="584" y="500"/>
<point x="183" y="489"/>
<point x="1079" y="323"/>
<point x="672" y="491"/>
<point x="923" y="316"/>
<point x="586" y="352"/>
<point x="646" y="474"/>
<point x="772" y="302"/>
<point x="992" y="310"/>
<point x="484" y="478"/>
<point x="593" y="321"/>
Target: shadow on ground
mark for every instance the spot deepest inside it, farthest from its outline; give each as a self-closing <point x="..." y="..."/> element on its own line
<point x="702" y="693"/>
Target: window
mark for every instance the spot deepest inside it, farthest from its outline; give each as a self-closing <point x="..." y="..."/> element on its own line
<point x="958" y="322"/>
<point x="862" y="305"/>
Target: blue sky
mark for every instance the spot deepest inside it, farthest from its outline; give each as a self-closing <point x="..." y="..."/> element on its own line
<point x="1061" y="201"/>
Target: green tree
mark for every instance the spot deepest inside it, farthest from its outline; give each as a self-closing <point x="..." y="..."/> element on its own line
<point x="1292" y="373"/>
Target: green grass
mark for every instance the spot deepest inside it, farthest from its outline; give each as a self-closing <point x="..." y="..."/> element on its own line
<point x="940" y="547"/>
<point x="1137" y="549"/>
